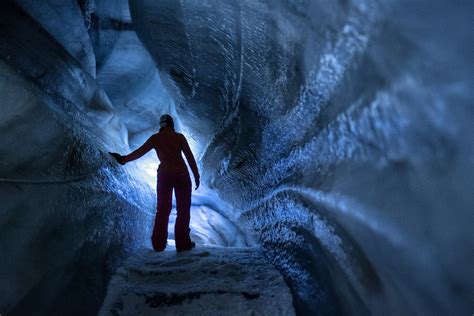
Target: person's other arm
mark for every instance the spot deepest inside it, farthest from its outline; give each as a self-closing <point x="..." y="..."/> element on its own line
<point x="190" y="158"/>
<point x="139" y="152"/>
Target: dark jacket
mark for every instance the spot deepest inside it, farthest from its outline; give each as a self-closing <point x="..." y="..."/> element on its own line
<point x="168" y="145"/>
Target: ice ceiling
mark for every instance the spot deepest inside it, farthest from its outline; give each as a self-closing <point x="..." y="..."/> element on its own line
<point x="338" y="132"/>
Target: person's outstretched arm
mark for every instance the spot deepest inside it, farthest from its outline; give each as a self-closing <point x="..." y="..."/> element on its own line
<point x="190" y="158"/>
<point x="139" y="152"/>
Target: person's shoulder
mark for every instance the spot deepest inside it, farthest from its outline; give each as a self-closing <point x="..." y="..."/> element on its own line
<point x="181" y="136"/>
<point x="154" y="137"/>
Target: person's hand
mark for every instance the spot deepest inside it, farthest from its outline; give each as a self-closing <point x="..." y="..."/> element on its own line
<point x="118" y="157"/>
<point x="197" y="183"/>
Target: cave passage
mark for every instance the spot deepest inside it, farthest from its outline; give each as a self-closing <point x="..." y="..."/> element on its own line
<point x="334" y="140"/>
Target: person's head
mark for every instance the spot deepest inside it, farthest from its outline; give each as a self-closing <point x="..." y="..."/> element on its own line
<point x="166" y="120"/>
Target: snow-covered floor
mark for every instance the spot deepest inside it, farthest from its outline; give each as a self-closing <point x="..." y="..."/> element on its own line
<point x="208" y="280"/>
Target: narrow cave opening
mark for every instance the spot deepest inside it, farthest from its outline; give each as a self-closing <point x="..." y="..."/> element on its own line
<point x="213" y="221"/>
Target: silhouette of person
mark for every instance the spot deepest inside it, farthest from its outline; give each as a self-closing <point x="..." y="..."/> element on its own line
<point x="172" y="174"/>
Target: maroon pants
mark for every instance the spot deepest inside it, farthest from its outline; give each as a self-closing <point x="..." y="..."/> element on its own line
<point x="181" y="183"/>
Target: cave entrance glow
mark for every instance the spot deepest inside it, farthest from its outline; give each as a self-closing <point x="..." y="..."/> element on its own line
<point x="213" y="221"/>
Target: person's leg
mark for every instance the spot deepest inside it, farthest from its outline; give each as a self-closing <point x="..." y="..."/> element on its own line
<point x="183" y="205"/>
<point x="163" y="209"/>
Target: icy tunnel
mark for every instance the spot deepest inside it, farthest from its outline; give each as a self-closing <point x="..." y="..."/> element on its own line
<point x="336" y="135"/>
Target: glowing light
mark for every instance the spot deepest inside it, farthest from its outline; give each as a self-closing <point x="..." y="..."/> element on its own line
<point x="147" y="166"/>
<point x="211" y="217"/>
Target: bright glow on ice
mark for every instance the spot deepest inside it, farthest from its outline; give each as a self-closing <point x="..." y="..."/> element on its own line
<point x="213" y="221"/>
<point x="148" y="166"/>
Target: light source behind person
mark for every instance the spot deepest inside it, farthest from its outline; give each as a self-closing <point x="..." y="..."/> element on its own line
<point x="172" y="175"/>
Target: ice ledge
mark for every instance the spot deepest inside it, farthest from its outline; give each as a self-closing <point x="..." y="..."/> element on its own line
<point x="206" y="280"/>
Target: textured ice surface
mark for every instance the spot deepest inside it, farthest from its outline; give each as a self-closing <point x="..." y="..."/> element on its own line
<point x="203" y="281"/>
<point x="340" y="131"/>
<point x="215" y="222"/>
<point x="68" y="213"/>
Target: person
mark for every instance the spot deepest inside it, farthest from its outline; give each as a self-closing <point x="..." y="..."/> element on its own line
<point x="172" y="174"/>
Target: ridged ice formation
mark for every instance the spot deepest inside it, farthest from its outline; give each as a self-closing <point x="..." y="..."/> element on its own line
<point x="340" y="132"/>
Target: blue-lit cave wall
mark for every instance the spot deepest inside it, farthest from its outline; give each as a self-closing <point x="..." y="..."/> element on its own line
<point x="68" y="213"/>
<point x="340" y="132"/>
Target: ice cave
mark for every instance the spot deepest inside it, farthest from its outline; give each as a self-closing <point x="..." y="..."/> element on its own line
<point x="334" y="140"/>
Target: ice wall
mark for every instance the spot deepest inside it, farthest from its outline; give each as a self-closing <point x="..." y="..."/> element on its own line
<point x="342" y="130"/>
<point x="75" y="83"/>
<point x="68" y="214"/>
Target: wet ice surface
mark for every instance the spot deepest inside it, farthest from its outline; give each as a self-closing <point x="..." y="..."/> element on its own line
<point x="206" y="280"/>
